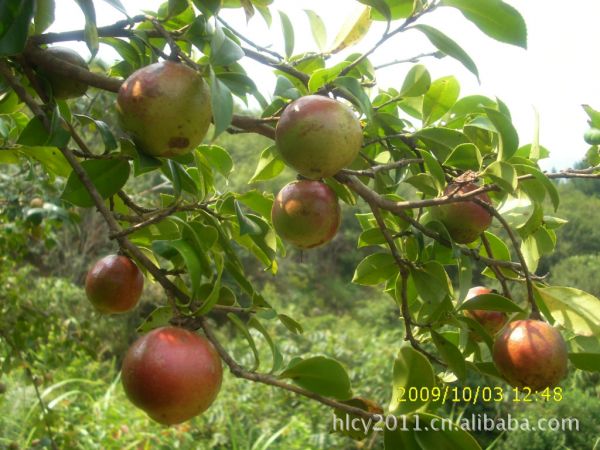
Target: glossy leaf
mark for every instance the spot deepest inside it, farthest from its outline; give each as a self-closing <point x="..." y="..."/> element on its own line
<point x="222" y="104"/>
<point x="440" y="97"/>
<point x="108" y="176"/>
<point x="288" y="33"/>
<point x="317" y="26"/>
<point x="495" y="18"/>
<point x="375" y="269"/>
<point x="572" y="308"/>
<point x="448" y="47"/>
<point x="490" y="302"/>
<point x="354" y="29"/>
<point x="14" y="26"/>
<point x="411" y="370"/>
<point x="321" y="375"/>
<point x="586" y="361"/>
<point x="269" y="165"/>
<point x="451" y="355"/>
<point x="416" y="82"/>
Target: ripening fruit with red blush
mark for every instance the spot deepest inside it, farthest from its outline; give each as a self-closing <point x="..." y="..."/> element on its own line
<point x="531" y="353"/>
<point x="172" y="374"/>
<point x="306" y="213"/>
<point x="114" y="284"/>
<point x="464" y="220"/>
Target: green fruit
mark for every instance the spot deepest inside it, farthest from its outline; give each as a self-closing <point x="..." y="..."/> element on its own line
<point x="63" y="87"/>
<point x="318" y="136"/>
<point x="114" y="285"/>
<point x="465" y="220"/>
<point x="531" y="353"/>
<point x="592" y="136"/>
<point x="172" y="374"/>
<point x="165" y="107"/>
<point x="306" y="213"/>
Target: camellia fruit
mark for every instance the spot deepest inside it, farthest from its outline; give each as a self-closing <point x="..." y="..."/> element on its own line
<point x="531" y="353"/>
<point x="165" y="107"/>
<point x="172" y="374"/>
<point x="464" y="220"/>
<point x="114" y="285"/>
<point x="306" y="213"/>
<point x="63" y="87"/>
<point x="491" y="321"/>
<point x="318" y="136"/>
<point x="592" y="136"/>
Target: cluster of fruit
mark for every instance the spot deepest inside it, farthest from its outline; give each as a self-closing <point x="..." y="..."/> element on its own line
<point x="174" y="374"/>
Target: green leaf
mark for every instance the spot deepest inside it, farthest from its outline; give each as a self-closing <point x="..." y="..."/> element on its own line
<point x="357" y="94"/>
<point x="464" y="156"/>
<point x="586" y="361"/>
<point x="90" y="30"/>
<point x="440" y="97"/>
<point x="490" y="302"/>
<point x="495" y="18"/>
<point x="375" y="269"/>
<point x="277" y="357"/>
<point x="434" y="168"/>
<point x="269" y="165"/>
<point x="247" y="226"/>
<point x="321" y="77"/>
<point x="117" y="5"/>
<point x="451" y="355"/>
<point x="160" y="317"/>
<point x="14" y="26"/>
<point x="544" y="180"/>
<point x="222" y="104"/>
<point x="318" y="29"/>
<point x="503" y="174"/>
<point x="400" y="439"/>
<point x="108" y="177"/>
<point x="189" y="255"/>
<point x="431" y="282"/>
<point x="218" y="158"/>
<point x="44" y="15"/>
<point x="372" y="236"/>
<point x="50" y="157"/>
<point x="223" y="50"/>
<point x="242" y="327"/>
<point x="509" y="139"/>
<point x="448" y="438"/>
<point x="574" y="309"/>
<point x="260" y="202"/>
<point x="321" y="375"/>
<point x="176" y="7"/>
<point x="448" y="47"/>
<point x="110" y="143"/>
<point x="416" y="82"/>
<point x="412" y="369"/>
<point x="354" y="29"/>
<point x="288" y="33"/>
<point x="290" y="324"/>
<point x="593" y="115"/>
<point x="390" y="9"/>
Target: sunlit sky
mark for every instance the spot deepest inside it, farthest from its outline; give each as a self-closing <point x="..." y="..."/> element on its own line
<point x="558" y="72"/>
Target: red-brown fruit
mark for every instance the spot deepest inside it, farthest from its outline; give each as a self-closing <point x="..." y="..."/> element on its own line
<point x="172" y="374"/>
<point x="465" y="221"/>
<point x="166" y="108"/>
<point x="491" y="321"/>
<point x="531" y="353"/>
<point x="306" y="213"/>
<point x="114" y="285"/>
<point x="318" y="136"/>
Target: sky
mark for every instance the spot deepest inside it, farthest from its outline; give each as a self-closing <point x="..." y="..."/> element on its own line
<point x="554" y="76"/>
